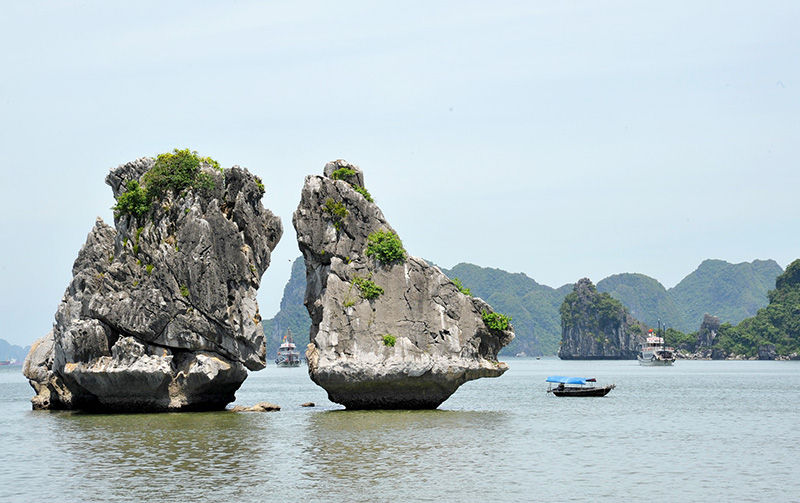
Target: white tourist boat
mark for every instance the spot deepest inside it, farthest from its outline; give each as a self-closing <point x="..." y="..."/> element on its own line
<point x="654" y="352"/>
<point x="288" y="355"/>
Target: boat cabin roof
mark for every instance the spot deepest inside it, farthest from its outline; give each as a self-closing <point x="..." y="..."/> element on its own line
<point x="570" y="380"/>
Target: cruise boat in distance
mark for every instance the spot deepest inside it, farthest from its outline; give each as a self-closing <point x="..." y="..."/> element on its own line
<point x="288" y="355"/>
<point x="654" y="353"/>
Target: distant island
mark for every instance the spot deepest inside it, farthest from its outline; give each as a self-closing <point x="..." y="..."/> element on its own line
<point x="729" y="292"/>
<point x="597" y="326"/>
<point x="11" y="353"/>
<point x="773" y="333"/>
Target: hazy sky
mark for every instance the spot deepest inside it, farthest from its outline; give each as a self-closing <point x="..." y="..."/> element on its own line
<point x="557" y="139"/>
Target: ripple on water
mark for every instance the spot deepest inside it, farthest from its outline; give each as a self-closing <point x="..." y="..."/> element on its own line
<point x="700" y="431"/>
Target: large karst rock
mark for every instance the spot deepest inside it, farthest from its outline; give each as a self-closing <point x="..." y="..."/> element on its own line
<point x="161" y="313"/>
<point x="386" y="333"/>
<point x="595" y="326"/>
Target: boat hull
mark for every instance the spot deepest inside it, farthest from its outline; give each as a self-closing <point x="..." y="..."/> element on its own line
<point x="583" y="391"/>
<point x="655" y="362"/>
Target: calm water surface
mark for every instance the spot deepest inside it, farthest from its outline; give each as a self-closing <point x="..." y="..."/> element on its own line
<point x="699" y="431"/>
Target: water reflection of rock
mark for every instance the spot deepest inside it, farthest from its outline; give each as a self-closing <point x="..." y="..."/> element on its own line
<point x="354" y="451"/>
<point x="204" y="454"/>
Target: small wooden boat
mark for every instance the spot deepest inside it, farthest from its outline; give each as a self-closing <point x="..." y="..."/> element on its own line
<point x="577" y="386"/>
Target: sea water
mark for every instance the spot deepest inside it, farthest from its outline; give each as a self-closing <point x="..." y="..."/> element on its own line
<point x="698" y="431"/>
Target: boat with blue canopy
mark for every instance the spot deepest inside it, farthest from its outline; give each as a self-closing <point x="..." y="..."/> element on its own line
<point x="576" y="386"/>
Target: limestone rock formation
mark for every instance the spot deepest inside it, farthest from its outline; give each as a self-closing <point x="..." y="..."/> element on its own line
<point x="595" y="326"/>
<point x="388" y="330"/>
<point x="161" y="313"/>
<point x="767" y="352"/>
<point x="708" y="331"/>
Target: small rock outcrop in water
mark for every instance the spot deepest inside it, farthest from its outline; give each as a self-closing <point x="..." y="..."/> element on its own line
<point x="161" y="313"/>
<point x="595" y="326"/>
<point x="388" y="330"/>
<point x="259" y="407"/>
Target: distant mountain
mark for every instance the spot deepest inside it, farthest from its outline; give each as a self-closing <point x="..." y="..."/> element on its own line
<point x="731" y="292"/>
<point x="646" y="298"/>
<point x="533" y="307"/>
<point x="11" y="352"/>
<point x="292" y="315"/>
<point x="774" y="330"/>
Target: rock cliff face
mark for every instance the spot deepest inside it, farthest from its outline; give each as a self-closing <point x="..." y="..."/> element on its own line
<point x="595" y="326"/>
<point x="161" y="313"/>
<point x="708" y="331"/>
<point x="388" y="330"/>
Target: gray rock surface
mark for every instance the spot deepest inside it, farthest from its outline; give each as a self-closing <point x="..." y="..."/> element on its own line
<point x="708" y="331"/>
<point x="161" y="313"/>
<point x="594" y="326"/>
<point x="411" y="346"/>
<point x="767" y="352"/>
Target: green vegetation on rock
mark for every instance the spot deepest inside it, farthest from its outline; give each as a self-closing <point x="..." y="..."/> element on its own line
<point x="386" y="247"/>
<point x="496" y="321"/>
<point x="342" y="173"/>
<point x="364" y="192"/>
<point x="134" y="201"/>
<point x="389" y="340"/>
<point x="336" y="211"/>
<point x="138" y="234"/>
<point x="368" y="289"/>
<point x="461" y="288"/>
<point x="345" y="175"/>
<point x="176" y="171"/>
